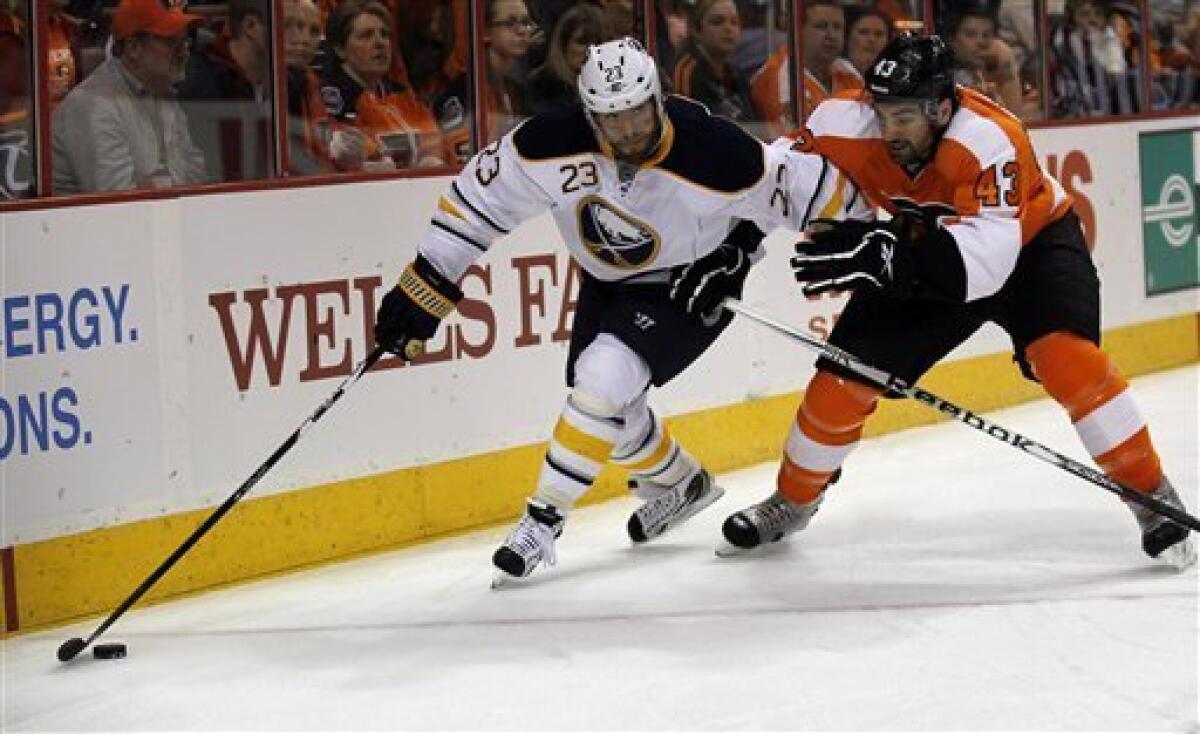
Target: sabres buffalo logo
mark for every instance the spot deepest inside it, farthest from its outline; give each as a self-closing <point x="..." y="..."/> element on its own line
<point x="616" y="238"/>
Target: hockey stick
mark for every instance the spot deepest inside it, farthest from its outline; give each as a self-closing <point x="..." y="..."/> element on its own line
<point x="979" y="423"/>
<point x="72" y="647"/>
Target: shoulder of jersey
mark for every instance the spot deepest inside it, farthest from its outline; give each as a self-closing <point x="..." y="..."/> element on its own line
<point x="711" y="151"/>
<point x="557" y="134"/>
<point x="982" y="129"/>
<point x="844" y="115"/>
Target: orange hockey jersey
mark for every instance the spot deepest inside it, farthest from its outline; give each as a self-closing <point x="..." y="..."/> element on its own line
<point x="845" y="78"/>
<point x="984" y="184"/>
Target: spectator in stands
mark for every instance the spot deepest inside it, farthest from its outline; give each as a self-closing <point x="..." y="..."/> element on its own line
<point x="226" y="98"/>
<point x="867" y="31"/>
<point x="553" y="84"/>
<point x="16" y="162"/>
<point x="826" y="71"/>
<point x="62" y="41"/>
<point x="315" y="143"/>
<point x="431" y="33"/>
<point x="509" y="33"/>
<point x="1019" y="28"/>
<point x="1089" y="64"/>
<point x="357" y="89"/>
<point x="984" y="61"/>
<point x="703" y="71"/>
<point x="675" y="23"/>
<point x="620" y="18"/>
<point x="398" y="73"/>
<point x="121" y="128"/>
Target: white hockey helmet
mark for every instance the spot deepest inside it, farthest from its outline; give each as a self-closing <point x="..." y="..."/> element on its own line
<point x="618" y="75"/>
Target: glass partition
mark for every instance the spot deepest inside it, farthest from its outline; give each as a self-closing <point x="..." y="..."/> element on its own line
<point x="145" y="94"/>
<point x="17" y="162"/>
<point x="1094" y="57"/>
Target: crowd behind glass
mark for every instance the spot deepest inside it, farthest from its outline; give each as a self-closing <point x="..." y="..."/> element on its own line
<point x="142" y="94"/>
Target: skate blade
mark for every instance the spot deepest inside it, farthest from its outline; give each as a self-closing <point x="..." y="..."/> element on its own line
<point x="499" y="579"/>
<point x="729" y="550"/>
<point x="1180" y="556"/>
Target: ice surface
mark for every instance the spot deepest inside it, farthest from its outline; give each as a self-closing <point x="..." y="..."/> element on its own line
<point x="948" y="583"/>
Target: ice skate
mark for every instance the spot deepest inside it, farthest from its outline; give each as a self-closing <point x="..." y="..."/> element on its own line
<point x="1161" y="537"/>
<point x="530" y="543"/>
<point x="767" y="522"/>
<point x="669" y="506"/>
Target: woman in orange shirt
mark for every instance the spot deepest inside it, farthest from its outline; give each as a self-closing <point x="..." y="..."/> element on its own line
<point x="357" y="89"/>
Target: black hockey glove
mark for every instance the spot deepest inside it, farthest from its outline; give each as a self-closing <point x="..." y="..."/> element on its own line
<point x="850" y="254"/>
<point x="411" y="311"/>
<point x="700" y="286"/>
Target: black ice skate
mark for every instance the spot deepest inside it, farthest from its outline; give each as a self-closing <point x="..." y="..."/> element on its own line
<point x="1162" y="538"/>
<point x="530" y="542"/>
<point x="666" y="507"/>
<point x="767" y="522"/>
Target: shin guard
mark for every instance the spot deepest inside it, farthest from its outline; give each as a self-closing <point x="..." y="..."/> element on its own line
<point x="1082" y="378"/>
<point x="828" y="426"/>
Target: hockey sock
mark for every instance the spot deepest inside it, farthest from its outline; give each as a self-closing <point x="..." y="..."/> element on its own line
<point x="579" y="448"/>
<point x="828" y="427"/>
<point x="649" y="451"/>
<point x="1082" y="378"/>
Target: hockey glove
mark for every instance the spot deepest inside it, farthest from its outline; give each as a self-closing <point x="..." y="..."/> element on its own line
<point x="411" y="311"/>
<point x="850" y="254"/>
<point x="700" y="286"/>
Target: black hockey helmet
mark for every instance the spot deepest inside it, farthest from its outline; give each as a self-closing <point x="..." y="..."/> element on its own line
<point x="913" y="67"/>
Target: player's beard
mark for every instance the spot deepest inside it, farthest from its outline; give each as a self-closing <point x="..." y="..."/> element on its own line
<point x="634" y="151"/>
<point x="637" y="149"/>
<point x="903" y="152"/>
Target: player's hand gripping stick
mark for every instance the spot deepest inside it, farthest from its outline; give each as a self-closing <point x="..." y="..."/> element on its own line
<point x="850" y="254"/>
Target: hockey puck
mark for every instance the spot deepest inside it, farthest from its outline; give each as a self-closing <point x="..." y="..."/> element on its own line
<point x="110" y="651"/>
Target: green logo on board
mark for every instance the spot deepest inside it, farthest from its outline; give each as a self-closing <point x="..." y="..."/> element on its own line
<point x="1170" y="215"/>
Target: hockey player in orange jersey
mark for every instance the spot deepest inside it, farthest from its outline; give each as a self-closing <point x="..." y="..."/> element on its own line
<point x="979" y="233"/>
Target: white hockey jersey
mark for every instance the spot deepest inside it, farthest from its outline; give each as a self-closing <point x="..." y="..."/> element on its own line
<point x="677" y="206"/>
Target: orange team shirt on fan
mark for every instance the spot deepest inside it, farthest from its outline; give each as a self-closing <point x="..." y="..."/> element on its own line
<point x="400" y="112"/>
<point x="771" y="93"/>
<point x="984" y="184"/>
<point x="771" y="89"/>
<point x="845" y="77"/>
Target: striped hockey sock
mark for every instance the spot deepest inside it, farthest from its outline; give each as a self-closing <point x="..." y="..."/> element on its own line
<point x="579" y="448"/>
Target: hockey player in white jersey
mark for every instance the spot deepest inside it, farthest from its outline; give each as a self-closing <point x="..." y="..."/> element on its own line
<point x="661" y="204"/>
